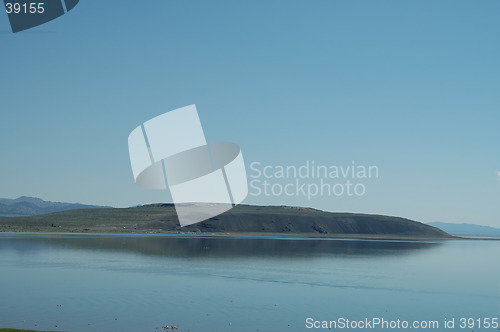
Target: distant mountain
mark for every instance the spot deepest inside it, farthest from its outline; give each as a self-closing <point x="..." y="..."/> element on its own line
<point x="31" y="206"/>
<point x="243" y="219"/>
<point x="467" y="229"/>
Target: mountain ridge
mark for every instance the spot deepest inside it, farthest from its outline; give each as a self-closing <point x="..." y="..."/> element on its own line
<point x="467" y="229"/>
<point x="29" y="206"/>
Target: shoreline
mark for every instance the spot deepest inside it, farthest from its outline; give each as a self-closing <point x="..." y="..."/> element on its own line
<point x="255" y="235"/>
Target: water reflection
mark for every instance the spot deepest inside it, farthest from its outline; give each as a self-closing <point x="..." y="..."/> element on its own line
<point x="211" y="246"/>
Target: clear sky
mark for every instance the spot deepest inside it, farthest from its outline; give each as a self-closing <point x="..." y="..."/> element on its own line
<point x="409" y="86"/>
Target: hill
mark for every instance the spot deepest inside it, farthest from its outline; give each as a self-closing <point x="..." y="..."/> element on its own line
<point x="467" y="229"/>
<point x="243" y="219"/>
<point x="31" y="206"/>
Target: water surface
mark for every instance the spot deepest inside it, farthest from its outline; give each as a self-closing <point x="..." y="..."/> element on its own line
<point x="77" y="282"/>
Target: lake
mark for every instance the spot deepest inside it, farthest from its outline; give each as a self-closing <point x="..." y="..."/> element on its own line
<point x="103" y="282"/>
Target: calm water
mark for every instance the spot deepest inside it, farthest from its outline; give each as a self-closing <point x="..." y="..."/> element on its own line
<point x="140" y="283"/>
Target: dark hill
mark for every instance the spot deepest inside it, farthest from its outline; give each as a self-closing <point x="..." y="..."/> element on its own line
<point x="243" y="219"/>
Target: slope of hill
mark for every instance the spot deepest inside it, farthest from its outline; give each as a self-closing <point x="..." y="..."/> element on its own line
<point x="30" y="206"/>
<point x="467" y="229"/>
<point x="243" y="219"/>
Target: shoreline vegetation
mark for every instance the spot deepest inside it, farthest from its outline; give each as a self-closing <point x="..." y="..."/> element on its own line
<point x="17" y="330"/>
<point x="241" y="220"/>
<point x="166" y="328"/>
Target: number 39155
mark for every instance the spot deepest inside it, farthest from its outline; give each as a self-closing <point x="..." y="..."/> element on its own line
<point x="25" y="8"/>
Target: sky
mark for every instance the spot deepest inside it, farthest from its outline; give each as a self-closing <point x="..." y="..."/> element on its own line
<point x="409" y="87"/>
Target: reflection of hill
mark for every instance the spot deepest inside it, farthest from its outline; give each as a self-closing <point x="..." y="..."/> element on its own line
<point x="225" y="247"/>
<point x="244" y="219"/>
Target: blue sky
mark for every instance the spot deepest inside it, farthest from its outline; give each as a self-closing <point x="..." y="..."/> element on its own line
<point x="412" y="87"/>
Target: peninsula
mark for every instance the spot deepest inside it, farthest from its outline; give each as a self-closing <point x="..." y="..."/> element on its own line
<point x="243" y="219"/>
